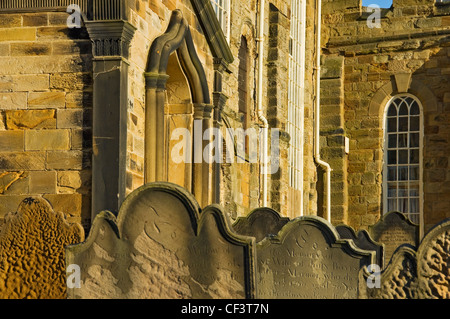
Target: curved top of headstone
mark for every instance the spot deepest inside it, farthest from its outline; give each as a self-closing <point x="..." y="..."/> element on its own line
<point x="159" y="225"/>
<point x="433" y="258"/>
<point x="362" y="240"/>
<point x="328" y="231"/>
<point x="393" y="217"/>
<point x="260" y="223"/>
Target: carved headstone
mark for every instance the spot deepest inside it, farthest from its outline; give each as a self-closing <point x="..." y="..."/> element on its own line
<point x="161" y="246"/>
<point x="260" y="223"/>
<point x="397" y="280"/>
<point x="32" y="251"/>
<point x="362" y="240"/>
<point x="392" y="230"/>
<point x="307" y="259"/>
<point x="433" y="263"/>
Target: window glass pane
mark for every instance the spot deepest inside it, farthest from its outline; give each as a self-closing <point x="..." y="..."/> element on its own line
<point x="414" y="140"/>
<point x="403" y="157"/>
<point x="392" y="173"/>
<point x="402" y="173"/>
<point x="414" y="189"/>
<point x="392" y="157"/>
<point x="402" y="124"/>
<point x="402" y="140"/>
<point x="392" y="141"/>
<point x="414" y="109"/>
<point x="392" y="190"/>
<point x="413" y="205"/>
<point x="414" y="173"/>
<point x="409" y="100"/>
<point x="415" y="218"/>
<point x="403" y="109"/>
<point x="392" y="111"/>
<point x="414" y="123"/>
<point x="402" y="205"/>
<point x="414" y="156"/>
<point x="392" y="124"/>
<point x="392" y="205"/>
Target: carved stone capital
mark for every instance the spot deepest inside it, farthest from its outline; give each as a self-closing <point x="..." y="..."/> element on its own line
<point x="110" y="38"/>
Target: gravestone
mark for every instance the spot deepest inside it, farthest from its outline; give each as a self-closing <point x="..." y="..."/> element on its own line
<point x="433" y="263"/>
<point x="307" y="259"/>
<point x="362" y="240"/>
<point x="392" y="230"/>
<point x="32" y="251"/>
<point x="161" y="246"/>
<point x="421" y="274"/>
<point x="397" y="280"/>
<point x="261" y="222"/>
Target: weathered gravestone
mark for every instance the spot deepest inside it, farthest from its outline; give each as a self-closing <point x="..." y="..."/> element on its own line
<point x="396" y="281"/>
<point x="161" y="246"/>
<point x="362" y="240"/>
<point x="32" y="251"/>
<point x="433" y="263"/>
<point x="307" y="259"/>
<point x="392" y="230"/>
<point x="424" y="274"/>
<point x="261" y="222"/>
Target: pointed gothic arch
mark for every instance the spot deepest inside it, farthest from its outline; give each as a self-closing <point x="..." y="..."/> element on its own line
<point x="177" y="39"/>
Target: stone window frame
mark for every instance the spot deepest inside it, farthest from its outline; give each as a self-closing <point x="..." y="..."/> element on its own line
<point x="386" y="166"/>
<point x="403" y="82"/>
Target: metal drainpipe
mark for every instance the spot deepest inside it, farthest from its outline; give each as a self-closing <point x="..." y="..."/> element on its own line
<point x="261" y="117"/>
<point x="318" y="160"/>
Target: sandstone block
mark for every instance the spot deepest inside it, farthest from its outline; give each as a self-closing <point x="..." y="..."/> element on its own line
<point x="10" y="20"/>
<point x="18" y="34"/>
<point x="43" y="64"/>
<point x="11" y="141"/>
<point x="60" y="160"/>
<point x="46" y="99"/>
<point x="4" y="49"/>
<point x="35" y="20"/>
<point x="8" y="179"/>
<point x="13" y="100"/>
<point x="30" y="119"/>
<point x="70" y="81"/>
<point x="30" y="48"/>
<point x="22" y="160"/>
<point x="67" y="203"/>
<point x="69" y="118"/>
<point x="42" y="182"/>
<point x="39" y="140"/>
<point x="33" y="82"/>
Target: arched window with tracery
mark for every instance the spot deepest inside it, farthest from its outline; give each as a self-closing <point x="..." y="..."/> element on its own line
<point x="403" y="144"/>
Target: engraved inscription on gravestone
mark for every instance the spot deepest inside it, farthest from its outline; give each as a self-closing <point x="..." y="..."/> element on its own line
<point x="307" y="259"/>
<point x="393" y="230"/>
<point x="260" y="223"/>
<point x="161" y="246"/>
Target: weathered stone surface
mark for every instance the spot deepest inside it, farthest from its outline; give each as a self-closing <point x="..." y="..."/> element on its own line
<point x="32" y="254"/>
<point x="11" y="141"/>
<point x="30" y="119"/>
<point x="38" y="140"/>
<point x="397" y="281"/>
<point x="161" y="246"/>
<point x="393" y="230"/>
<point x="433" y="263"/>
<point x="260" y="223"/>
<point x="307" y="259"/>
<point x="46" y="99"/>
<point x="362" y="240"/>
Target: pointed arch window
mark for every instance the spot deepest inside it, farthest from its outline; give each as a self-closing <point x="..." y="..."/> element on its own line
<point x="402" y="171"/>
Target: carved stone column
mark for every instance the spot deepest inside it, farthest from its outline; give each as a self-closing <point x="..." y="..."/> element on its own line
<point x="110" y="41"/>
